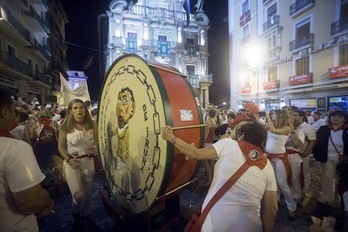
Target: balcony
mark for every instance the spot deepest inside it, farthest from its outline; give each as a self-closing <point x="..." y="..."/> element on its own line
<point x="15" y="63"/>
<point x="16" y="24"/>
<point x="338" y="27"/>
<point x="299" y="43"/>
<point x="244" y="19"/>
<point x="33" y="13"/>
<point x="42" y="49"/>
<point x="271" y="23"/>
<point x="301" y="6"/>
<point x="271" y="85"/>
<point x="46" y="79"/>
<point x="246" y="89"/>
<point x="196" y="79"/>
<point x="301" y="79"/>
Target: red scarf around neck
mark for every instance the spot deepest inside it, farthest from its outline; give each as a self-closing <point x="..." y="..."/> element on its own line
<point x="45" y="121"/>
<point x="246" y="147"/>
<point x="344" y="126"/>
<point x="6" y="133"/>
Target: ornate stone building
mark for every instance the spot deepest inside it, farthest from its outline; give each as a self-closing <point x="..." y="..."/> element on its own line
<point x="160" y="30"/>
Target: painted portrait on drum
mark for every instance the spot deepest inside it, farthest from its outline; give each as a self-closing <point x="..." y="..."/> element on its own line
<point x="130" y="116"/>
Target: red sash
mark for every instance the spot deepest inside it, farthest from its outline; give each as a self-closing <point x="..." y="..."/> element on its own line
<point x="285" y="160"/>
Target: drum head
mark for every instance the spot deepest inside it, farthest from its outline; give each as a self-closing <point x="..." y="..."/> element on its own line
<point x="133" y="107"/>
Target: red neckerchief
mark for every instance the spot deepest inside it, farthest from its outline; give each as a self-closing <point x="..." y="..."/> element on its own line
<point x="6" y="133"/>
<point x="340" y="128"/>
<point x="45" y="121"/>
<point x="297" y="124"/>
<point x="80" y="123"/>
<point x="247" y="148"/>
<point x="14" y="124"/>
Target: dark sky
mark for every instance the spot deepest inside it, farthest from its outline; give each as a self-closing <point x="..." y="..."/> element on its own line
<point x="82" y="39"/>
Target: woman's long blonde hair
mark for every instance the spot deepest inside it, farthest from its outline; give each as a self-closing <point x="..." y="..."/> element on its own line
<point x="69" y="121"/>
<point x="282" y="119"/>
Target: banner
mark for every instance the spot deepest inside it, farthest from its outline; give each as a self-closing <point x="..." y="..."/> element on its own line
<point x="68" y="94"/>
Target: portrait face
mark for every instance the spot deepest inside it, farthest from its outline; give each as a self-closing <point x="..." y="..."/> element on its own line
<point x="78" y="110"/>
<point x="273" y="116"/>
<point x="124" y="108"/>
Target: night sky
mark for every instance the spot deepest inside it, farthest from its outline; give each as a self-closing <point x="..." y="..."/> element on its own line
<point x="82" y="39"/>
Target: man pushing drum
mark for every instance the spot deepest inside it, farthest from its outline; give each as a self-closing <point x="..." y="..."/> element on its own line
<point x="251" y="203"/>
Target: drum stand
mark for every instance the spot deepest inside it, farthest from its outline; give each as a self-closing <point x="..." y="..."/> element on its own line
<point x="159" y="218"/>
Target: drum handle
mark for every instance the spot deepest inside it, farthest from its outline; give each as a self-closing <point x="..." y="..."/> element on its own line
<point x="187" y="127"/>
<point x="176" y="189"/>
<point x="168" y="70"/>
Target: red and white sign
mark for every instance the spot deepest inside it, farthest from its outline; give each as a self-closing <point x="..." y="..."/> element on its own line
<point x="245" y="18"/>
<point x="271" y="85"/>
<point x="300" y="79"/>
<point x="246" y="89"/>
<point x="338" y="72"/>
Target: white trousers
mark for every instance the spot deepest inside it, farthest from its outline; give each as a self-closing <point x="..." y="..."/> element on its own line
<point x="328" y="181"/>
<point x="295" y="161"/>
<point x="281" y="177"/>
<point x="80" y="184"/>
<point x="306" y="174"/>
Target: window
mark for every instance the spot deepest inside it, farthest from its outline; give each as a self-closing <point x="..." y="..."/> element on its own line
<point x="245" y="7"/>
<point x="131" y="35"/>
<point x="190" y="69"/>
<point x="162" y="38"/>
<point x="302" y="66"/>
<point x="343" y="55"/>
<point x="11" y="50"/>
<point x="272" y="73"/>
<point x="245" y="33"/>
<point x="270" y="44"/>
<point x="271" y="13"/>
<point x="302" y="32"/>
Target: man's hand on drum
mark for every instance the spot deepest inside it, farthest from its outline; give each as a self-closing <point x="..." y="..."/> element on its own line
<point x="167" y="133"/>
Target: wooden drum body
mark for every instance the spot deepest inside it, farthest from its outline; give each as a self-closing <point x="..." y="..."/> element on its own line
<point x="136" y="101"/>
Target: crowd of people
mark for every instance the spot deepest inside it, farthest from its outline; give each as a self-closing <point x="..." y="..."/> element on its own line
<point x="35" y="141"/>
<point x="275" y="146"/>
<point x="292" y="137"/>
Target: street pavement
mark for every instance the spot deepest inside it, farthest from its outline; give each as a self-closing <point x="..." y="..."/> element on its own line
<point x="190" y="200"/>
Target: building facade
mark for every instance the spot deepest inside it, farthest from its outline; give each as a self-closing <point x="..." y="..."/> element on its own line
<point x="32" y="55"/>
<point x="162" y="31"/>
<point x="289" y="53"/>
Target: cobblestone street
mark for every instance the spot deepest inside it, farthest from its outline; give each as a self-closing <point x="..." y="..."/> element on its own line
<point x="191" y="199"/>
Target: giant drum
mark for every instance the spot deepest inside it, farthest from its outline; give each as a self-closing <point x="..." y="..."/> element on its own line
<point x="137" y="99"/>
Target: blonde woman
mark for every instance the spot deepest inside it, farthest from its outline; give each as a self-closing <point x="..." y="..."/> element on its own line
<point x="280" y="126"/>
<point x="77" y="144"/>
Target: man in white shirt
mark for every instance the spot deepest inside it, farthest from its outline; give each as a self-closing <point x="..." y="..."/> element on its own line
<point x="240" y="207"/>
<point x="22" y="199"/>
<point x="317" y="121"/>
<point x="307" y="134"/>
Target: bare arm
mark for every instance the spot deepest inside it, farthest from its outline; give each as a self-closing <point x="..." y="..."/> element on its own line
<point x="61" y="145"/>
<point x="269" y="210"/>
<point x="187" y="149"/>
<point x="34" y="200"/>
<point x="309" y="148"/>
<point x="26" y="136"/>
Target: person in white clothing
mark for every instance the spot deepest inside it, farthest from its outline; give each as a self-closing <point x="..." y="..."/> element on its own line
<point x="280" y="127"/>
<point x="308" y="135"/>
<point x="77" y="144"/>
<point x="240" y="208"/>
<point x="317" y="121"/>
<point x="22" y="199"/>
